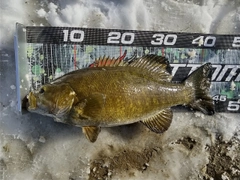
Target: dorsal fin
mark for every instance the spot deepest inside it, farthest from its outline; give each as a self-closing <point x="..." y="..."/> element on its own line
<point x="155" y="64"/>
<point x="109" y="62"/>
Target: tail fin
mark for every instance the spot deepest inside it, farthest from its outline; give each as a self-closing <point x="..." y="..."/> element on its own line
<point x="200" y="81"/>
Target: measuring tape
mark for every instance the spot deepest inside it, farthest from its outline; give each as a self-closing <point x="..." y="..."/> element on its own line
<point x="45" y="53"/>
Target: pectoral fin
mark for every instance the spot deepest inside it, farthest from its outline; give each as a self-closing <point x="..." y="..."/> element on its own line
<point x="91" y="132"/>
<point x="160" y="122"/>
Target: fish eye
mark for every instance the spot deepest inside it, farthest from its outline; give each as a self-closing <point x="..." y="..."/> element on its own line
<point x="41" y="91"/>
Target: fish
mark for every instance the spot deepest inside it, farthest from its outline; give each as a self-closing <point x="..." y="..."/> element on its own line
<point x="121" y="93"/>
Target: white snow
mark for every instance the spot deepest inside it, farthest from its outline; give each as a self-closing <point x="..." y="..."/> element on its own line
<point x="41" y="12"/>
<point x="35" y="147"/>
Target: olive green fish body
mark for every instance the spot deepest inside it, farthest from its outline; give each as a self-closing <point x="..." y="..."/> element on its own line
<point x="122" y="94"/>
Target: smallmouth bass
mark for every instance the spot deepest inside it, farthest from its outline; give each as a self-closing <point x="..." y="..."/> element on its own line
<point x="115" y="93"/>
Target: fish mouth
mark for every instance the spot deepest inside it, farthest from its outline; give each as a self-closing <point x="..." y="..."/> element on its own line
<point x="33" y="104"/>
<point x="32" y="101"/>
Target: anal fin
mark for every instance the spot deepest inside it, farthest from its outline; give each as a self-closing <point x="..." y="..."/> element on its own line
<point x="159" y="122"/>
<point x="91" y="132"/>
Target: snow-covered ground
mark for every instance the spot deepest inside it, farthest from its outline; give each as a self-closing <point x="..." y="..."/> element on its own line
<point x="195" y="146"/>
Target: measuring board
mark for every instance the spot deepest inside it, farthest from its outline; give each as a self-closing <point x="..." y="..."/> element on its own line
<point x="45" y="53"/>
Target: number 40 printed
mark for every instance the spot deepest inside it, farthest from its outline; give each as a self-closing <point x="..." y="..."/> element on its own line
<point x="210" y="41"/>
